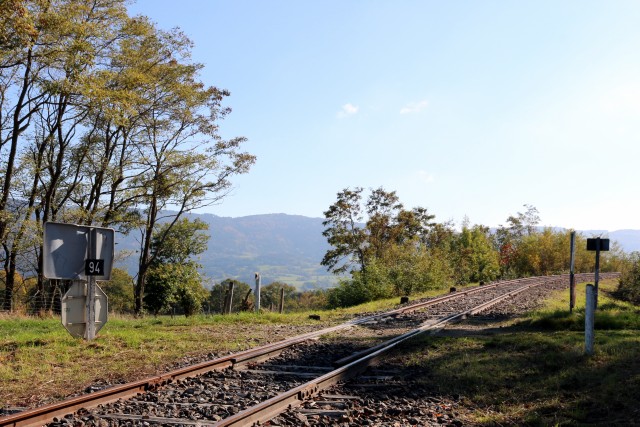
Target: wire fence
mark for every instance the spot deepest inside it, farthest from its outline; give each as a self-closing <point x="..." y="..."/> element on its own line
<point x="33" y="304"/>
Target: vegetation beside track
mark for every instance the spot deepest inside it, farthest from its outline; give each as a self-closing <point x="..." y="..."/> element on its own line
<point x="532" y="370"/>
<point x="40" y="362"/>
<point x="526" y="370"/>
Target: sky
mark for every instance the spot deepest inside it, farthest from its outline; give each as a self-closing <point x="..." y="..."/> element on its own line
<point x="468" y="108"/>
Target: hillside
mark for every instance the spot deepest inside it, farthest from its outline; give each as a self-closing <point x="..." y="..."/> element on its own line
<point x="286" y="248"/>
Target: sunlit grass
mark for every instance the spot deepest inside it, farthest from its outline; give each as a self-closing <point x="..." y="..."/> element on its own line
<point x="535" y="372"/>
<point x="39" y="354"/>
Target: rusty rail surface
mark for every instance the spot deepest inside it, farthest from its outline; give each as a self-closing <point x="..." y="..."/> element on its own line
<point x="270" y="408"/>
<point x="355" y="364"/>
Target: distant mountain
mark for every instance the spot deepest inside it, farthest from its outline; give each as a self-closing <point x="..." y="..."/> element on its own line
<point x="285" y="248"/>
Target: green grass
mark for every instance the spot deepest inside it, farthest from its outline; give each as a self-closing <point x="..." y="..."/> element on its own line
<point x="534" y="371"/>
<point x="39" y="354"/>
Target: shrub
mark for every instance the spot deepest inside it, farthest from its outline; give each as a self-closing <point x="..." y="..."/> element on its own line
<point x="629" y="287"/>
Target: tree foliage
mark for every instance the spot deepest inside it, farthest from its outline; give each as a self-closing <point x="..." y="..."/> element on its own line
<point x="104" y="121"/>
<point x="174" y="279"/>
<point x="629" y="286"/>
<point x="219" y="291"/>
<point x="391" y="251"/>
<point x="119" y="291"/>
<point x="387" y="249"/>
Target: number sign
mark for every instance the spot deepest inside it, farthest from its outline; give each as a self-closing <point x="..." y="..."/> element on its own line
<point x="94" y="267"/>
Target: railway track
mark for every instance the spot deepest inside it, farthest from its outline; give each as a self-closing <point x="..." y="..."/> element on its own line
<point x="241" y="389"/>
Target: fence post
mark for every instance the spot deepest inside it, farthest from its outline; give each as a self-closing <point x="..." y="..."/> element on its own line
<point x="281" y="306"/>
<point x="572" y="279"/>
<point x="228" y="302"/>
<point x="257" y="292"/>
<point x="589" y="320"/>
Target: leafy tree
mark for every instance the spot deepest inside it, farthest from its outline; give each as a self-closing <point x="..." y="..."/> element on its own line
<point x="629" y="286"/>
<point x="181" y="242"/>
<point x="47" y="50"/>
<point x="270" y="296"/>
<point x="173" y="277"/>
<point x="345" y="233"/>
<point x="219" y="292"/>
<point x="176" y="168"/>
<point x="175" y="285"/>
<point x="119" y="290"/>
<point x="312" y="299"/>
<point x="103" y="121"/>
<point x="474" y="257"/>
<point x="393" y="248"/>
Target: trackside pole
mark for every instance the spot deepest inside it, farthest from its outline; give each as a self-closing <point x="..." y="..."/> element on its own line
<point x="257" y="292"/>
<point x="572" y="279"/>
<point x="589" y="320"/>
<point x="597" y="275"/>
<point x="597" y="244"/>
<point x="90" y="321"/>
<point x="228" y="301"/>
<point x="281" y="306"/>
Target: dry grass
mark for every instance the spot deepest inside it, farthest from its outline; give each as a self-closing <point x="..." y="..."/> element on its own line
<point x="534" y="372"/>
<point x="40" y="362"/>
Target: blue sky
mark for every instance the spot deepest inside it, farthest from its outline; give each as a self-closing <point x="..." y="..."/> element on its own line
<point x="467" y="108"/>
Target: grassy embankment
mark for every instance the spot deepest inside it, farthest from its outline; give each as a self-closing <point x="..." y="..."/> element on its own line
<point x="40" y="361"/>
<point x="533" y="370"/>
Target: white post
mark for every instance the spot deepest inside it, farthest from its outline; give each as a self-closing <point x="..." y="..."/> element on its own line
<point x="257" y="292"/>
<point x="589" y="320"/>
<point x="90" y="322"/>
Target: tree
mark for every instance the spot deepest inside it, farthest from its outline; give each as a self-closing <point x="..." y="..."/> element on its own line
<point x="175" y="286"/>
<point x="388" y="254"/>
<point x="270" y="295"/>
<point x="629" y="286"/>
<point x="47" y="50"/>
<point x="219" y="291"/>
<point x="178" y="244"/>
<point x="182" y="162"/>
<point x="474" y="257"/>
<point x="345" y="233"/>
<point x="103" y="121"/>
<point x="173" y="278"/>
<point x="119" y="290"/>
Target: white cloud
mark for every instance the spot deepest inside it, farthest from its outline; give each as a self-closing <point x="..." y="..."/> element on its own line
<point x="348" y="110"/>
<point x="424" y="177"/>
<point x="414" y="107"/>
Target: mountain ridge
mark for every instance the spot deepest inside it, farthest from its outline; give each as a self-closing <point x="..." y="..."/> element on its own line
<point x="287" y="248"/>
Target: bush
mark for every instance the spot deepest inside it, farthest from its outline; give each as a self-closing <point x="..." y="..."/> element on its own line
<point x="629" y="287"/>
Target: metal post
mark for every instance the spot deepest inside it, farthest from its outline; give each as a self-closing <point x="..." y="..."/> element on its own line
<point x="589" y="320"/>
<point x="572" y="279"/>
<point x="229" y="299"/>
<point x="90" y="321"/>
<point x="597" y="275"/>
<point x="257" y="292"/>
<point x="281" y="306"/>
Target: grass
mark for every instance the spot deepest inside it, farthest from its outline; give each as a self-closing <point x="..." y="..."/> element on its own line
<point x="534" y="371"/>
<point x="40" y="362"/>
<point x="39" y="359"/>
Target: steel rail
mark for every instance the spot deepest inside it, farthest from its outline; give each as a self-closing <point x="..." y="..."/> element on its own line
<point x="270" y="408"/>
<point x="44" y="414"/>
